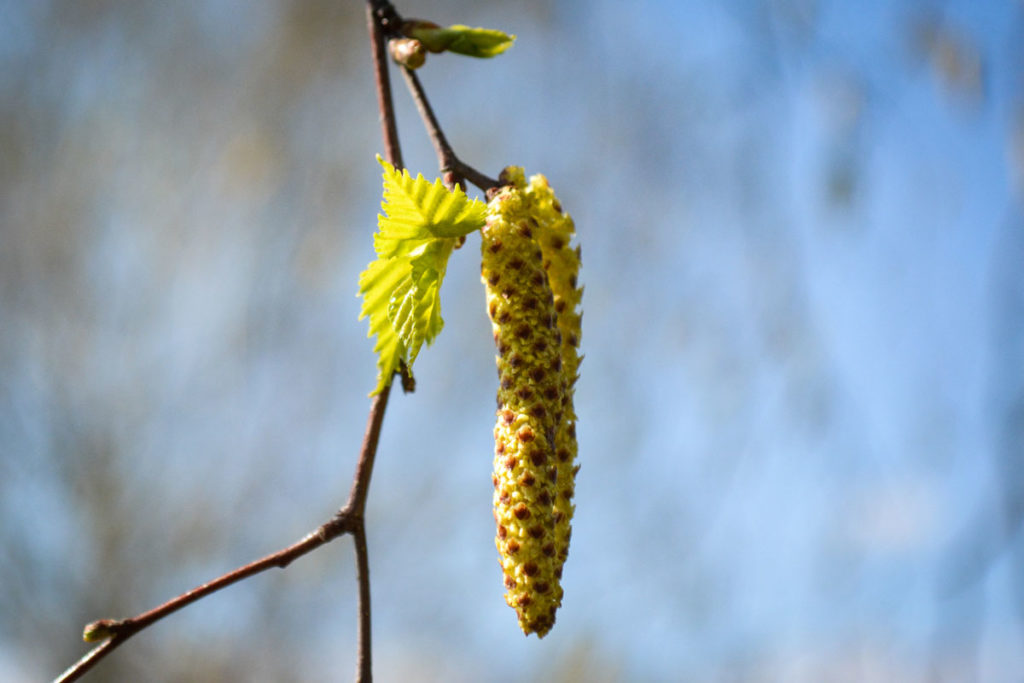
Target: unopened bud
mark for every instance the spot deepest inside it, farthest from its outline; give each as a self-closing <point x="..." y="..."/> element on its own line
<point x="408" y="52"/>
<point x="100" y="630"/>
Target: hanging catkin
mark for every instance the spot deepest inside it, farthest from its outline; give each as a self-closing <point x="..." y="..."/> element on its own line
<point x="526" y="255"/>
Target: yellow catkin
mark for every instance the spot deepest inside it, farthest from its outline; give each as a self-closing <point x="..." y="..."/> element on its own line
<point x="530" y="403"/>
<point x="554" y="230"/>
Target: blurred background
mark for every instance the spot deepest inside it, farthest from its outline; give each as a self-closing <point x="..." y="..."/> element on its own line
<point x="801" y="408"/>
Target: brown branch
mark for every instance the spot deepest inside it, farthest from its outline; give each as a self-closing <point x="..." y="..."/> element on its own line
<point x="351" y="518"/>
<point x="364" y="656"/>
<point x="445" y="153"/>
<point x="380" y="18"/>
<point x="355" y="510"/>
<point x="119" y="631"/>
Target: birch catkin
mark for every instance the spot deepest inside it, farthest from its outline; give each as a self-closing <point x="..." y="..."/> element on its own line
<point x="530" y="403"/>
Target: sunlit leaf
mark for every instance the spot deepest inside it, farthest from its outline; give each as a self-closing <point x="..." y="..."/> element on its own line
<point x="478" y="42"/>
<point x="376" y="285"/>
<point x="415" y="308"/>
<point x="463" y="40"/>
<point x="416" y="210"/>
<point x="401" y="289"/>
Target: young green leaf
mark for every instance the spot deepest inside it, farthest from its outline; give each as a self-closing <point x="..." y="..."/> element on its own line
<point x="401" y="289"/>
<point x="463" y="40"/>
<point x="477" y="42"/>
<point x="415" y="307"/>
<point x="376" y="285"/>
<point x="416" y="210"/>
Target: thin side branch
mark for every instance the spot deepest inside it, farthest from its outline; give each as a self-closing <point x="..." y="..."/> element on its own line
<point x="453" y="169"/>
<point x="350" y="519"/>
<point x="120" y="631"/>
<point x="445" y="154"/>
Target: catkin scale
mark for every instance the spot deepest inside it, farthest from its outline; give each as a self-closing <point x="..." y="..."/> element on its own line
<point x="531" y="390"/>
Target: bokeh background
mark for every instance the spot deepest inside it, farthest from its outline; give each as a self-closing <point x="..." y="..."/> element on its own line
<point x="802" y="403"/>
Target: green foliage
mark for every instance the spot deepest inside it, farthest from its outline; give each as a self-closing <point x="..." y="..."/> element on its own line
<point x="463" y="40"/>
<point x="401" y="289"/>
<point x="418" y="211"/>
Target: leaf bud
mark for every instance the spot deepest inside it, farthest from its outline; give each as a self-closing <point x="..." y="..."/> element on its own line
<point x="408" y="52"/>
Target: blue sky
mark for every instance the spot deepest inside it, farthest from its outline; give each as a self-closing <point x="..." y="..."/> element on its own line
<point x="799" y="222"/>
